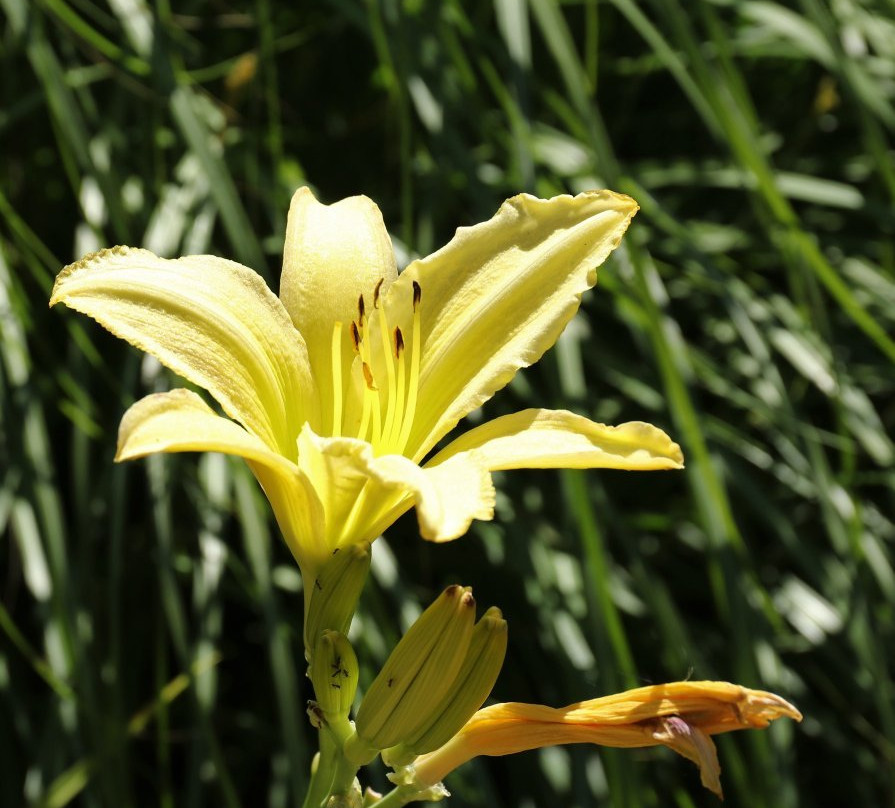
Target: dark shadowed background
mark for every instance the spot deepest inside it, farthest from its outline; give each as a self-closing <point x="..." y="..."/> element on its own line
<point x="150" y="642"/>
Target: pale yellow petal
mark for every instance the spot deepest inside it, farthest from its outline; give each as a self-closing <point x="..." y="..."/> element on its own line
<point x="448" y="497"/>
<point x="561" y="439"/>
<point x="179" y="421"/>
<point x="355" y="505"/>
<point x="362" y="494"/>
<point x="498" y="296"/>
<point x="333" y="254"/>
<point x="212" y="321"/>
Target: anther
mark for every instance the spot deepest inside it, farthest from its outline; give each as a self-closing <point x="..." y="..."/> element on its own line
<point x="376" y="293"/>
<point x="368" y="376"/>
<point x="399" y="343"/>
<point x="355" y="336"/>
<point x="360" y="308"/>
<point x="417" y="295"/>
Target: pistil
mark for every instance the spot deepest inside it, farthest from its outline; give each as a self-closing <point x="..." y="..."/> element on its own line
<point x="391" y="406"/>
<point x="336" y="428"/>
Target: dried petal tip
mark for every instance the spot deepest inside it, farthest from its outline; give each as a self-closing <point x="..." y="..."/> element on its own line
<point x="693" y="744"/>
<point x="762" y="707"/>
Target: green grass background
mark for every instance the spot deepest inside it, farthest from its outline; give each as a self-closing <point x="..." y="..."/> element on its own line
<point x="149" y="616"/>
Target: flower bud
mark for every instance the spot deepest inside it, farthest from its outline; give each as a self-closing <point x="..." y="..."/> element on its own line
<point x="334" y="674"/>
<point x="421" y="669"/>
<point x="474" y="682"/>
<point x="337" y="587"/>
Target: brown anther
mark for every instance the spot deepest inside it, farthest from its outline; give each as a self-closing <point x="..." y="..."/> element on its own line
<point x="417" y="295"/>
<point x="368" y="377"/>
<point x="361" y="308"/>
<point x="399" y="343"/>
<point x="376" y="293"/>
<point x="355" y="337"/>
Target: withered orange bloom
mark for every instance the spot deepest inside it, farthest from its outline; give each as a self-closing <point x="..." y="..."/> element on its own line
<point x="679" y="715"/>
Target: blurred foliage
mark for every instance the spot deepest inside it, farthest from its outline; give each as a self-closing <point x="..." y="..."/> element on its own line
<point x="150" y="651"/>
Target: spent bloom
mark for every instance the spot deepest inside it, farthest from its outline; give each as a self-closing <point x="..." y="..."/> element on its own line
<point x="679" y="715"/>
<point x="336" y="391"/>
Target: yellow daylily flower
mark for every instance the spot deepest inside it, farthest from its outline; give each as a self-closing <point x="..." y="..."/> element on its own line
<point x="337" y="391"/>
<point x="679" y="715"/>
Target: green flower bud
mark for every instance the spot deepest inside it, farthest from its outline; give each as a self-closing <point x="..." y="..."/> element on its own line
<point x="334" y="673"/>
<point x="419" y="672"/>
<point x="337" y="587"/>
<point x="474" y="682"/>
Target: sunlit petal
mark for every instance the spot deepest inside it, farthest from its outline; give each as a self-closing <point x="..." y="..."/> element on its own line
<point x="212" y="321"/>
<point x="179" y="421"/>
<point x="498" y="295"/>
<point x="363" y="494"/>
<point x="448" y="496"/>
<point x="354" y="503"/>
<point x="561" y="439"/>
<point x="333" y="254"/>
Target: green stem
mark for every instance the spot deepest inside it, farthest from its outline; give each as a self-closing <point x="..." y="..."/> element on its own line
<point x="343" y="780"/>
<point x="322" y="777"/>
<point x="398" y="797"/>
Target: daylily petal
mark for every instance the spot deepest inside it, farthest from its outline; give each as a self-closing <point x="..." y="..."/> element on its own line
<point x="447" y="496"/>
<point x="355" y="505"/>
<point x="180" y="421"/>
<point x="498" y="295"/>
<point x="363" y="494"/>
<point x="333" y="254"/>
<point x="212" y="321"/>
<point x="560" y="439"/>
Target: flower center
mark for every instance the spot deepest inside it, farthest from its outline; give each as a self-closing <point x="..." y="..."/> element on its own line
<point x="390" y="376"/>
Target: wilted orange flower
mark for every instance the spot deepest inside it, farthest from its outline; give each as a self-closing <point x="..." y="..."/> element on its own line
<point x="679" y="715"/>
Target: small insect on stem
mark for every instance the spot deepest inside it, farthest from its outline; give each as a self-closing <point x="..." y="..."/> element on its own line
<point x="315" y="715"/>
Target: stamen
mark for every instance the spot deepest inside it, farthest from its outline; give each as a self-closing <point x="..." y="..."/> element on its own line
<point x="388" y="409"/>
<point x="369" y="394"/>
<point x="370" y="411"/>
<point x="389" y="360"/>
<point x="413" y="387"/>
<point x="368" y="378"/>
<point x="336" y="429"/>
<point x="400" y="394"/>
<point x="376" y="417"/>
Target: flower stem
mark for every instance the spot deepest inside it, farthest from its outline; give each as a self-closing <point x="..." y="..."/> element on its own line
<point x="398" y="797"/>
<point x="322" y="776"/>
<point x="343" y="778"/>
